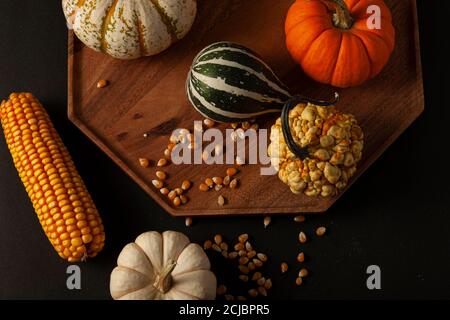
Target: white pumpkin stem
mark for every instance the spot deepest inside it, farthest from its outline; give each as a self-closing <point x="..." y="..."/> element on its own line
<point x="341" y="18"/>
<point x="163" y="281"/>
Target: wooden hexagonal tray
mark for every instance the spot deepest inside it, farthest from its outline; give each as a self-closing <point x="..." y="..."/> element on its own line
<point x="148" y="95"/>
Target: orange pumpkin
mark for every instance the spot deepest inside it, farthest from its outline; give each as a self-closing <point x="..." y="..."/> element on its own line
<point x="334" y="40"/>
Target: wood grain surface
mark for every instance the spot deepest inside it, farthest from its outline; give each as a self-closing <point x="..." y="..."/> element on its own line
<point x="147" y="95"/>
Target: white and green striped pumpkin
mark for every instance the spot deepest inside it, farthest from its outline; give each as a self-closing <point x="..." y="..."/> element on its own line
<point x="129" y="29"/>
<point x="228" y="82"/>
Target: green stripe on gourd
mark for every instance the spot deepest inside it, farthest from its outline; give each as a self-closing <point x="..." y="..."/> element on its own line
<point x="233" y="101"/>
<point x="244" y="59"/>
<point x="230" y="83"/>
<point x="208" y="110"/>
<point x="238" y="77"/>
<point x="207" y="113"/>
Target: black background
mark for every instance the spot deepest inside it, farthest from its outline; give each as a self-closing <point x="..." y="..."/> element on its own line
<point x="396" y="215"/>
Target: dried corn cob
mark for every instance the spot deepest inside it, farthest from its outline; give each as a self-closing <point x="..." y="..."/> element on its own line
<point x="59" y="196"/>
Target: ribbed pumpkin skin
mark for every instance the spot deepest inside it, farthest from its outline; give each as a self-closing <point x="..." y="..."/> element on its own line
<point x="129" y="29"/>
<point x="62" y="203"/>
<point x="342" y="58"/>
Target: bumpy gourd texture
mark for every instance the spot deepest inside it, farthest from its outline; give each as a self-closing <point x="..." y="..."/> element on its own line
<point x="334" y="141"/>
<point x="129" y="29"/>
<point x="61" y="201"/>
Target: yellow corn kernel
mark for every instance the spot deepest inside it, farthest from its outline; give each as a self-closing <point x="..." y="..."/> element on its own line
<point x="63" y="205"/>
<point x="81" y="224"/>
<point x="76" y="242"/>
<point x="66" y="243"/>
<point x="87" y="238"/>
<point x="75" y="234"/>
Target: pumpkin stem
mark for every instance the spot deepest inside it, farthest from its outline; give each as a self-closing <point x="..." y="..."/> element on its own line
<point x="301" y="152"/>
<point x="163" y="281"/>
<point x="341" y="18"/>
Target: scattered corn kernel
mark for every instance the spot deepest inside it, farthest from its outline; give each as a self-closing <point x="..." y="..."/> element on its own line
<point x="321" y="231"/>
<point x="209" y="182"/>
<point x="231" y="172"/>
<point x="144" y="162"/>
<point x="253" y="293"/>
<point x="172" y="194"/>
<point x="157" y="183"/>
<point x="218" y="239"/>
<point x="234" y="184"/>
<point x="243" y="238"/>
<point x="177" y="201"/>
<point x="162" y="162"/>
<point x="256" y="276"/>
<point x="217" y="180"/>
<point x="102" y="83"/>
<point x="243" y="277"/>
<point x="262" y="257"/>
<point x="161" y="175"/>
<point x="186" y="185"/>
<point x="184" y="199"/>
<point x="303" y="273"/>
<point x="267" y="220"/>
<point x="209" y="123"/>
<point x="302" y="237"/>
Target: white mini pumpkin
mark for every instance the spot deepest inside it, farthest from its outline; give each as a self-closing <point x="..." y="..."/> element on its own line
<point x="163" y="267"/>
<point x="129" y="29"/>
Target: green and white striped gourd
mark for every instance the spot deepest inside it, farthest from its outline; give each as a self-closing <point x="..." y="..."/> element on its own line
<point x="228" y="82"/>
<point x="129" y="29"/>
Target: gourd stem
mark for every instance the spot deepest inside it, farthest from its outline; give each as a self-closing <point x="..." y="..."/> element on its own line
<point x="301" y="152"/>
<point x="341" y="18"/>
<point x="163" y="281"/>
